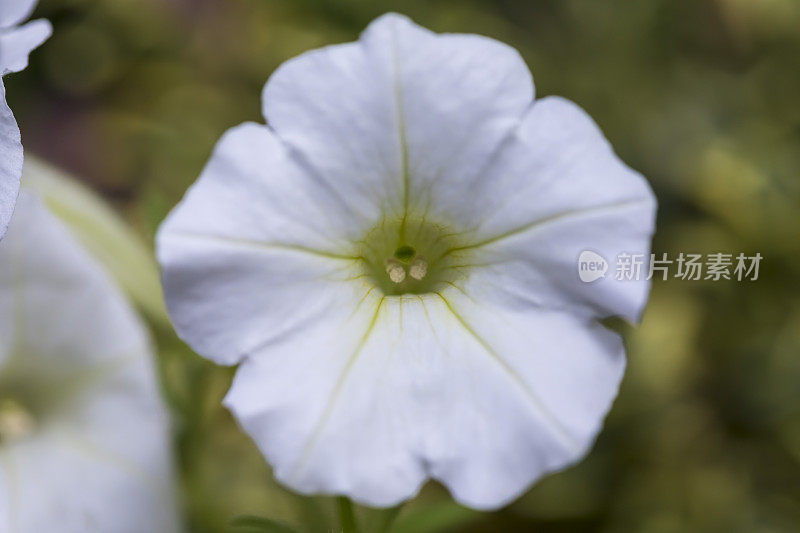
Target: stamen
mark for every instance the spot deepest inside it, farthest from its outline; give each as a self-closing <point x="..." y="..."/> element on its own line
<point x="419" y="265"/>
<point x="395" y="270"/>
<point x="418" y="269"/>
<point x="15" y="421"/>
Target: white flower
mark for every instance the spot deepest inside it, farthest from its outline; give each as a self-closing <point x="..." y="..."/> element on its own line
<point x="102" y="233"/>
<point x="393" y="262"/>
<point x="16" y="42"/>
<point x="84" y="443"/>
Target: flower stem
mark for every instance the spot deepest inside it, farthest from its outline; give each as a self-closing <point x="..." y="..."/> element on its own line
<point x="347" y="515"/>
<point x="388" y="517"/>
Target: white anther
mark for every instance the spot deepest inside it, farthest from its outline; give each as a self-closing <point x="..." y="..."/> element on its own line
<point x="15" y="422"/>
<point x="395" y="270"/>
<point x="418" y="268"/>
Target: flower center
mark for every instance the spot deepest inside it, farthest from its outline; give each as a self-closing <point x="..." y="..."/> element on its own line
<point x="16" y="422"/>
<point x="412" y="256"/>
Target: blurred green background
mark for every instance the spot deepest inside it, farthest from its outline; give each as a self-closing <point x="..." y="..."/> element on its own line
<point x="702" y="96"/>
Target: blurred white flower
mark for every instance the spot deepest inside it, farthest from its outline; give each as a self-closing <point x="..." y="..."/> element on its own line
<point x="84" y="443"/>
<point x="16" y="42"/>
<point x="102" y="233"/>
<point x="393" y="262"/>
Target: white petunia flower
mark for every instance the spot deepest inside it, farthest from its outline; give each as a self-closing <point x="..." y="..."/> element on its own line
<point x="16" y="42"/>
<point x="392" y="261"/>
<point x="84" y="444"/>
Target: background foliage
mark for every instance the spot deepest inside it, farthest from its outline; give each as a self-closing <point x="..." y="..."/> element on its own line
<point x="702" y="96"/>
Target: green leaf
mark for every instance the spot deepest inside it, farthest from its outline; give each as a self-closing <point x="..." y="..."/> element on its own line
<point x="260" y="524"/>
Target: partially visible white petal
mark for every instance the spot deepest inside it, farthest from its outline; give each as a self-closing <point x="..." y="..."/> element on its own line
<point x="10" y="161"/>
<point x="64" y="482"/>
<point x="296" y="396"/>
<point x="17" y="43"/>
<point x="7" y="473"/>
<point x="255" y="250"/>
<point x="529" y="400"/>
<point x="402" y="119"/>
<point x="373" y="402"/>
<point x="99" y="457"/>
<point x="252" y="189"/>
<point x="102" y="232"/>
<point x="106" y="456"/>
<point x="228" y="299"/>
<point x="50" y="284"/>
<point x="556" y="190"/>
<point x="12" y="12"/>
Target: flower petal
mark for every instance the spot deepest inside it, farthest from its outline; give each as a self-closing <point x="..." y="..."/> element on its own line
<point x="62" y="482"/>
<point x="227" y="299"/>
<point x="99" y="452"/>
<point x="17" y="43"/>
<point x="416" y="387"/>
<point x="43" y="269"/>
<point x="294" y="396"/>
<point x="102" y="232"/>
<point x="10" y="161"/>
<point x="255" y="250"/>
<point x="403" y="118"/>
<point x="12" y="12"/>
<point x="556" y="190"/>
<point x="532" y="398"/>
